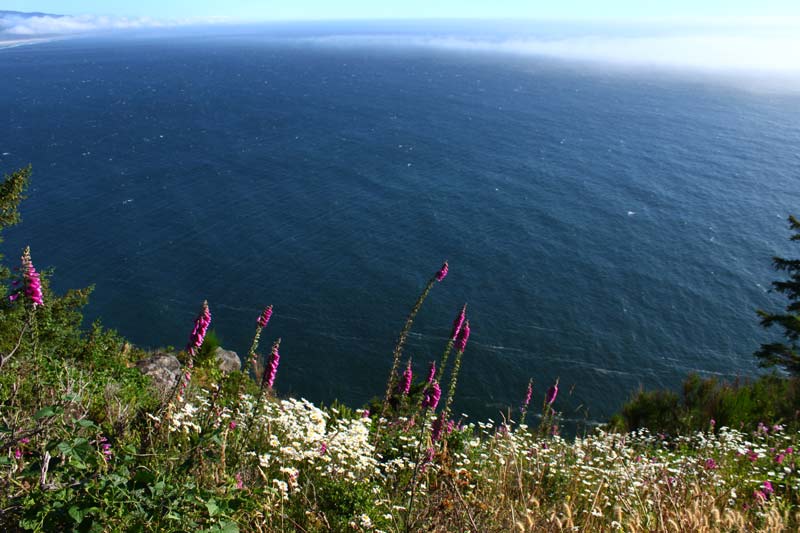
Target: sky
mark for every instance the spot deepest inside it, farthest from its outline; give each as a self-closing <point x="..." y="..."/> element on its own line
<point x="260" y="10"/>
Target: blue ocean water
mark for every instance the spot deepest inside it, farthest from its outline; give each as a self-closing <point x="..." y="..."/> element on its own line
<point x="610" y="227"/>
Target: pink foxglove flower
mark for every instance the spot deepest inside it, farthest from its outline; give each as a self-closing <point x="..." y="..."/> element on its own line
<point x="438" y="428"/>
<point x="440" y="275"/>
<point x="405" y="383"/>
<point x="431" y="372"/>
<point x="263" y="319"/>
<point x="458" y="322"/>
<point x="432" y="396"/>
<point x="528" y="395"/>
<point x="201" y="324"/>
<point x="463" y="337"/>
<point x="31" y="284"/>
<point x="552" y="392"/>
<point x="272" y="367"/>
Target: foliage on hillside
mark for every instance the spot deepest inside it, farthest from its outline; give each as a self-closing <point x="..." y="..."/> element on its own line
<point x="89" y="444"/>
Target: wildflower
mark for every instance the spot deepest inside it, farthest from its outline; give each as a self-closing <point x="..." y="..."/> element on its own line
<point x="432" y="396"/>
<point x="239" y="481"/>
<point x="528" y="395"/>
<point x="105" y="448"/>
<point x="710" y="464"/>
<point x="323" y="448"/>
<point x="768" y="488"/>
<point x="442" y="272"/>
<point x="17" y="454"/>
<point x="32" y="285"/>
<point x="779" y="458"/>
<point x="552" y="392"/>
<point x="458" y="322"/>
<point x="232" y="424"/>
<point x="438" y="426"/>
<point x="405" y="384"/>
<point x="759" y="496"/>
<point x="431" y="372"/>
<point x="365" y="413"/>
<point x="463" y="336"/>
<point x="272" y="368"/>
<point x="201" y="324"/>
<point x="263" y="319"/>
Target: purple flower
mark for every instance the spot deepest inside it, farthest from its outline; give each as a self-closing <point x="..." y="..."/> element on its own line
<point x="201" y="324"/>
<point x="458" y="322"/>
<point x="232" y="424"/>
<point x="552" y="392"/>
<point x="263" y="319"/>
<point x="431" y="372"/>
<point x="323" y="448"/>
<point x="17" y="454"/>
<point x="768" y="488"/>
<point x="710" y="464"/>
<point x="438" y="427"/>
<point x="463" y="336"/>
<point x="442" y="272"/>
<point x="405" y="384"/>
<point x="32" y="285"/>
<point x="528" y="395"/>
<point x="272" y="367"/>
<point x="432" y="396"/>
<point x="365" y="413"/>
<point x="239" y="481"/>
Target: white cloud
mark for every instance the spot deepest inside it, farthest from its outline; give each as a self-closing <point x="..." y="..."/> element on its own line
<point x="69" y="25"/>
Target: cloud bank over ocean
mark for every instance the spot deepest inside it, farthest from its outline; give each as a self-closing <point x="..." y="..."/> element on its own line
<point x="17" y="25"/>
<point x="761" y="48"/>
<point x="767" y="45"/>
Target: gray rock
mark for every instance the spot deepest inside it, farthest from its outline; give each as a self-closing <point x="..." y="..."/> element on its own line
<point x="228" y="360"/>
<point x="163" y="369"/>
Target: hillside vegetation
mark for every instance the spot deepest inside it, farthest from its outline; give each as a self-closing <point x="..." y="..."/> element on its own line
<point x="89" y="443"/>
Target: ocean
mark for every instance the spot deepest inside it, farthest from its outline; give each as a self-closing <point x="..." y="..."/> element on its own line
<point x="607" y="226"/>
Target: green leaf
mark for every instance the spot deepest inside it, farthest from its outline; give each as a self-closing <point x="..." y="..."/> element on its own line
<point x="86" y="423"/>
<point x="47" y="411"/>
<point x="212" y="507"/>
<point x="76" y="514"/>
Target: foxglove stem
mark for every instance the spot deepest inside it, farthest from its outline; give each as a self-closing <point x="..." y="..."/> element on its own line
<point x="431" y="372"/>
<point x="526" y="402"/>
<point x="263" y="320"/>
<point x="431" y="397"/>
<point x="405" y="383"/>
<point x="401" y="340"/>
<point x="458" y="322"/>
<point x="457" y="325"/>
<point x="268" y="379"/>
<point x="31" y="285"/>
<point x="196" y="339"/>
<point x="552" y="393"/>
<point x="440" y="275"/>
<point x="461" y="344"/>
<point x="198" y="334"/>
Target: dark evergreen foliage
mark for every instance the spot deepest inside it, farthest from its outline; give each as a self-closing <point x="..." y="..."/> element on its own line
<point x="785" y="354"/>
